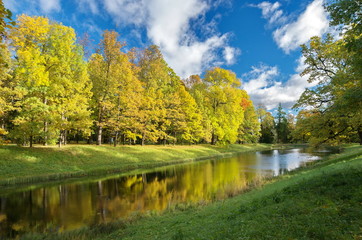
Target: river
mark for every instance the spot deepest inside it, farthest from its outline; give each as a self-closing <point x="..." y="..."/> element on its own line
<point x="72" y="205"/>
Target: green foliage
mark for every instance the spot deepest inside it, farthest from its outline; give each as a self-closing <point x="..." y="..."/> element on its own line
<point x="132" y="97"/>
<point x="267" y="125"/>
<point x="335" y="104"/>
<point x="52" y="78"/>
<point x="222" y="105"/>
<point x="249" y="130"/>
<point x="117" y="93"/>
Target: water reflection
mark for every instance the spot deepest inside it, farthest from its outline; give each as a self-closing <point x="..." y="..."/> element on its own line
<point x="71" y="206"/>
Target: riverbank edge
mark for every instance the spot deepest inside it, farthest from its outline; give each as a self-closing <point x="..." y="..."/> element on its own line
<point x="270" y="189"/>
<point x="46" y="177"/>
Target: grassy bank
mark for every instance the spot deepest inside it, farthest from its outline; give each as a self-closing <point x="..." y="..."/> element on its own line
<point x="321" y="201"/>
<point x="28" y="165"/>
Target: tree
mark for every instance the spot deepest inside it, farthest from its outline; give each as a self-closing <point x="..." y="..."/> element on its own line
<point x="267" y="125"/>
<point x="223" y="108"/>
<point x="6" y="92"/>
<point x="336" y="101"/>
<point x="249" y="130"/>
<point x="169" y="112"/>
<point x="281" y="125"/>
<point x="52" y="77"/>
<point x="117" y="92"/>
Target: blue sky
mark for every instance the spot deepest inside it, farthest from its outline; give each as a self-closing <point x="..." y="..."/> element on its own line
<point x="258" y="40"/>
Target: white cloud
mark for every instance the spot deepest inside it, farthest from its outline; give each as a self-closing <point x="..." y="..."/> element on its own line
<point x="230" y="54"/>
<point x="48" y="6"/>
<point x="262" y="83"/>
<point x="262" y="86"/>
<point x="168" y="26"/>
<point x="127" y="11"/>
<point x="272" y="12"/>
<point x="289" y="35"/>
<point x="85" y="5"/>
<point x="312" y="22"/>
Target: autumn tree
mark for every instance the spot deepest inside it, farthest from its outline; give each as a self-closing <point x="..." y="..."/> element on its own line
<point x="5" y="68"/>
<point x="249" y="130"/>
<point x="169" y="112"/>
<point x="222" y="103"/>
<point x="336" y="100"/>
<point x="52" y="77"/>
<point x="117" y="92"/>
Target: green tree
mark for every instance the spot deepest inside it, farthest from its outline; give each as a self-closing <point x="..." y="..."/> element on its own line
<point x="223" y="108"/>
<point x="336" y="101"/>
<point x="267" y="125"/>
<point x="169" y="112"/>
<point x="52" y="77"/>
<point x="6" y="92"/>
<point x="281" y="125"/>
<point x="117" y="93"/>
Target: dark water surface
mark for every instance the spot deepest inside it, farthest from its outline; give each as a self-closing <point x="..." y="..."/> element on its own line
<point x="69" y="206"/>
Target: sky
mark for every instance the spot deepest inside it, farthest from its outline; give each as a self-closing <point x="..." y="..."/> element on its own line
<point x="258" y="40"/>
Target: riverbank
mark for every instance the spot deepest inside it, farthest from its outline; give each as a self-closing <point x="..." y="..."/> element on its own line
<point x="319" y="201"/>
<point x="41" y="164"/>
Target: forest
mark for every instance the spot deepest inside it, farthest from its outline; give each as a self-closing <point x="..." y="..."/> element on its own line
<point x="54" y="91"/>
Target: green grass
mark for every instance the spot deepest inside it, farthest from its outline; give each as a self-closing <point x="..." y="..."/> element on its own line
<point x="40" y="164"/>
<point x="320" y="201"/>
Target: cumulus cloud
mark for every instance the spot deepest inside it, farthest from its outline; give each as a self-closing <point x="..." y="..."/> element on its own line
<point x="263" y="82"/>
<point x="289" y="35"/>
<point x="88" y="5"/>
<point x="127" y="11"/>
<point x="272" y="12"/>
<point x="312" y="22"/>
<point x="230" y="54"/>
<point x="48" y="6"/>
<point x="263" y="87"/>
<point x="168" y="25"/>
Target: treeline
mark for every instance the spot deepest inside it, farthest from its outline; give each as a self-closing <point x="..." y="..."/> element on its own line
<point x="49" y="93"/>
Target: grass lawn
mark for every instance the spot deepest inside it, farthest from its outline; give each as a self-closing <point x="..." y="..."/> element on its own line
<point x="25" y="165"/>
<point x="320" y="201"/>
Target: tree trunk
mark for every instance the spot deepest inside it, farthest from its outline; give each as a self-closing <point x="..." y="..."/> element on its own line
<point x="213" y="139"/>
<point x="45" y="129"/>
<point x="99" y="135"/>
<point x="143" y="140"/>
<point x="115" y="140"/>
<point x="31" y="141"/>
<point x="60" y="138"/>
<point x="45" y="133"/>
<point x="65" y="137"/>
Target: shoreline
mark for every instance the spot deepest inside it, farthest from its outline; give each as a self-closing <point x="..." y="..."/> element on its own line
<point x="121" y="165"/>
<point x="283" y="206"/>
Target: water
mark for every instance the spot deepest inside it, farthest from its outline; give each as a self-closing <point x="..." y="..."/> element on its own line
<point x="70" y="206"/>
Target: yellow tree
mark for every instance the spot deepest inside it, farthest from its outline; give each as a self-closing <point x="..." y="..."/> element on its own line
<point x="117" y="93"/>
<point x="249" y="130"/>
<point x="169" y="112"/>
<point x="5" y="68"/>
<point x="51" y="74"/>
<point x="223" y="104"/>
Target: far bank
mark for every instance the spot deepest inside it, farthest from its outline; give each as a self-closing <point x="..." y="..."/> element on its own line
<point x="40" y="164"/>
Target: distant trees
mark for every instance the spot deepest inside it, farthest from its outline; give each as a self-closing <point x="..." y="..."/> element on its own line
<point x="50" y="94"/>
<point x="267" y="125"/>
